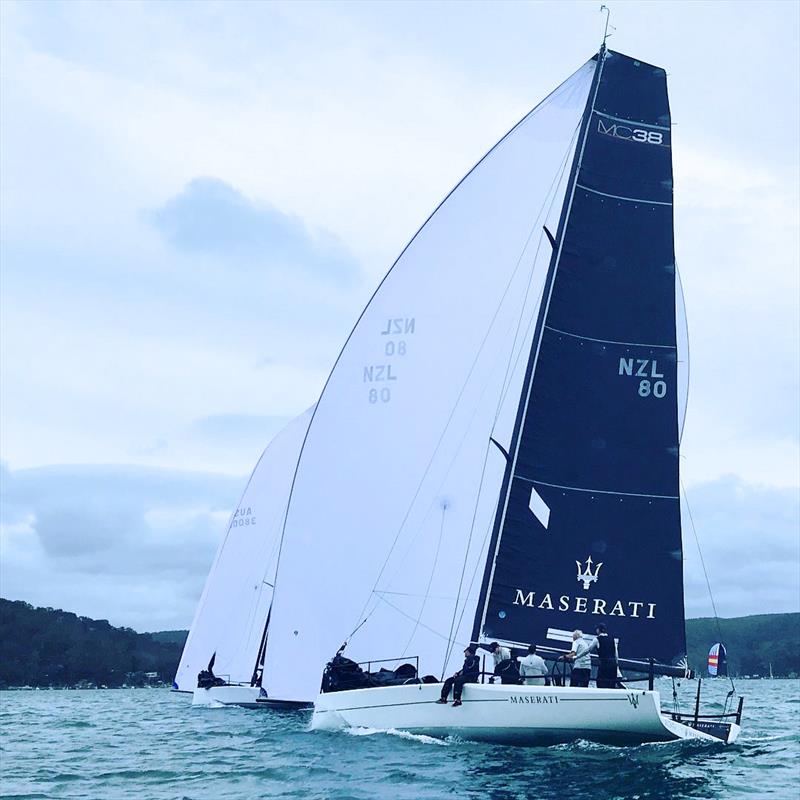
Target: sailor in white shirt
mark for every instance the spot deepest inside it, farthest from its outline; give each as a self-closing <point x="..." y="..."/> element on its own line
<point x="581" y="658"/>
<point x="499" y="654"/>
<point x="532" y="668"/>
<point x="503" y="666"/>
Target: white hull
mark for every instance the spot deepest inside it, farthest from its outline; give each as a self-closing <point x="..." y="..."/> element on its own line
<point x="527" y="715"/>
<point x="242" y="696"/>
<point x="218" y="696"/>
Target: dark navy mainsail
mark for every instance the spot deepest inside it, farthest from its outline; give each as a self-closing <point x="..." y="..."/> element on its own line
<point x="588" y="526"/>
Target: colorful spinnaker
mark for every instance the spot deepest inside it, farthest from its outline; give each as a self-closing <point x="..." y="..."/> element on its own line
<point x="717" y="660"/>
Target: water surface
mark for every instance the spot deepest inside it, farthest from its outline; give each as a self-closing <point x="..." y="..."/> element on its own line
<point x="151" y="744"/>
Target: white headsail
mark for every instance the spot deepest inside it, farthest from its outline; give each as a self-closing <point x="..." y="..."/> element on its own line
<point x="388" y="539"/>
<point x="232" y="612"/>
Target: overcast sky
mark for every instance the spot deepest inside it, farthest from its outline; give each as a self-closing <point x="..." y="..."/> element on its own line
<point x="198" y="199"/>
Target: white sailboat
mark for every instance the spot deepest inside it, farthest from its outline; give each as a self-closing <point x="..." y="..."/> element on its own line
<point x="222" y="661"/>
<point x="508" y="406"/>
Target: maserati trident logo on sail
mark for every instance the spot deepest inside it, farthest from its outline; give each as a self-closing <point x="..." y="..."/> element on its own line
<point x="587" y="576"/>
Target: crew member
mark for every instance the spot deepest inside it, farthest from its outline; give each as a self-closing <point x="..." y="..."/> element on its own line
<point x="581" y="658"/>
<point x="468" y="673"/>
<point x="532" y="668"/>
<point x="607" y="653"/>
<point x="504" y="667"/>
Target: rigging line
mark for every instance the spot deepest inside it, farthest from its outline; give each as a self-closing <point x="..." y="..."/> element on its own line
<point x="408" y="616"/>
<point x="467" y="428"/>
<point x="509" y="372"/>
<point x="430" y="580"/>
<point x="315" y="407"/>
<point x="551" y="194"/>
<point x="506" y="386"/>
<point x="543" y="311"/>
<point x="462" y="440"/>
<point x="449" y="648"/>
<point x="414" y="594"/>
<point x="449" y="419"/>
<point x="705" y="573"/>
<point x="475" y="572"/>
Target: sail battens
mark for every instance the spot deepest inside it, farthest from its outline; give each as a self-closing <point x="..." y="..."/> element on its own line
<point x="632" y="121"/>
<point x="626" y="199"/>
<point x="597" y="491"/>
<point x="609" y="341"/>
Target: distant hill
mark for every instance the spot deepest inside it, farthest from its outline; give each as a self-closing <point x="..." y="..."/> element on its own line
<point x="172" y="637"/>
<point x="51" y="647"/>
<point x="752" y="643"/>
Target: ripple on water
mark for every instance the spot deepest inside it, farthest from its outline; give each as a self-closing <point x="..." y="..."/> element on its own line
<point x="122" y="744"/>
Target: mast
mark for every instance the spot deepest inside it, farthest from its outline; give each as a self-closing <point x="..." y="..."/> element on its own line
<point x="505" y="491"/>
<point x="258" y="669"/>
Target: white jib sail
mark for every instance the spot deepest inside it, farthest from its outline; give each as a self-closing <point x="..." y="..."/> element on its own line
<point x="232" y="612"/>
<point x="397" y="483"/>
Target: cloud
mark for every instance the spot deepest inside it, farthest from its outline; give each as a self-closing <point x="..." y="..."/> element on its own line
<point x="233" y="429"/>
<point x="129" y="544"/>
<point x="210" y="216"/>
<point x="134" y="545"/>
<point x="748" y="538"/>
<point x="182" y="314"/>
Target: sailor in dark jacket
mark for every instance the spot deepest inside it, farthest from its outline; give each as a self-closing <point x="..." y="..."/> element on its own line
<point x="468" y="673"/>
<point x="606" y="650"/>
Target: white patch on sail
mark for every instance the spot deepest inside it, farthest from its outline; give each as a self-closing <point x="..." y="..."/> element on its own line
<point x="539" y="508"/>
<point x="557" y="635"/>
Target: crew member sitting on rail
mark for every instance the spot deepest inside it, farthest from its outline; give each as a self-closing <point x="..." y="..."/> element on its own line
<point x="468" y="673"/>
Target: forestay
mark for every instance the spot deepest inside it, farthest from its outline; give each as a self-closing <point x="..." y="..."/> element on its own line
<point x="588" y="528"/>
<point x="232" y="612"/>
<point x="397" y="484"/>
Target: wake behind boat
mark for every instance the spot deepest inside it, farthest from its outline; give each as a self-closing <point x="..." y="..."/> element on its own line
<point x="495" y="455"/>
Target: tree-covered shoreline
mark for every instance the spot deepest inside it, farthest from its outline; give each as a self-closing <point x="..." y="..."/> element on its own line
<point x="47" y="647"/>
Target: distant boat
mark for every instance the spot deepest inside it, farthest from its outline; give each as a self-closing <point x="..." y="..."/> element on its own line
<point x="223" y="658"/>
<point x="718" y="661"/>
<point x="495" y="454"/>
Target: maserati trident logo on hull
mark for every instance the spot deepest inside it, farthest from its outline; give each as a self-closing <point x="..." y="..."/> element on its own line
<point x="587" y="576"/>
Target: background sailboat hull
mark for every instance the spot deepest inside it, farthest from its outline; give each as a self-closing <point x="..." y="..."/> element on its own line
<point x="244" y="697"/>
<point x="521" y="715"/>
<point x="218" y="696"/>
